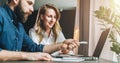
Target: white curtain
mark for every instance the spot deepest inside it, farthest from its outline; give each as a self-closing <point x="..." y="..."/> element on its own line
<point x="76" y="26"/>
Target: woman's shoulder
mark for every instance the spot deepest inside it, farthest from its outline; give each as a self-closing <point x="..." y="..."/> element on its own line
<point x="60" y="32"/>
<point x="31" y="29"/>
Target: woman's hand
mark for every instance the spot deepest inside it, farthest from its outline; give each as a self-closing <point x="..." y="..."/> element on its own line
<point x="68" y="45"/>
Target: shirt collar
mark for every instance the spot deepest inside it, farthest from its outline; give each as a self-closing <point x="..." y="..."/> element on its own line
<point x="45" y="35"/>
<point x="10" y="12"/>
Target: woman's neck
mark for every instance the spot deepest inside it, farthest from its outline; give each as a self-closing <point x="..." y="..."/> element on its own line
<point x="48" y="31"/>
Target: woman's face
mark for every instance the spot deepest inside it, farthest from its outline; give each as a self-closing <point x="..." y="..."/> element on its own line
<point x="49" y="18"/>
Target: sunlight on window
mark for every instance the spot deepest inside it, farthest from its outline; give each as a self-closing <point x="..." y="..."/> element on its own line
<point x="117" y="10"/>
<point x="115" y="6"/>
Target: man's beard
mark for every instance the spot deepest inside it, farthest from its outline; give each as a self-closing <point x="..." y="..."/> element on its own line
<point x="20" y="14"/>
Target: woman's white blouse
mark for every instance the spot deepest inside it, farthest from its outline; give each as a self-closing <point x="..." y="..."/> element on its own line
<point x="46" y="40"/>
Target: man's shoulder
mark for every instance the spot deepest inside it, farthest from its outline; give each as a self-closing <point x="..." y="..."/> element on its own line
<point x="3" y="14"/>
<point x="2" y="11"/>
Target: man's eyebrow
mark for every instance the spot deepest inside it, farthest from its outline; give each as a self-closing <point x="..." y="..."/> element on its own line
<point x="30" y="2"/>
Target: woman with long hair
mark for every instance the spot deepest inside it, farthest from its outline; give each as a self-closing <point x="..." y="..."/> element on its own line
<point x="47" y="29"/>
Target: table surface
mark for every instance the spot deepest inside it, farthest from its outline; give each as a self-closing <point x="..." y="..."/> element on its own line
<point x="98" y="61"/>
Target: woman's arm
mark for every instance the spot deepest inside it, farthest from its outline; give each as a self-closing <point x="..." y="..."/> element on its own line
<point x="65" y="46"/>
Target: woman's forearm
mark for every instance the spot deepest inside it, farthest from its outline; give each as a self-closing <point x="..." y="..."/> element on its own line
<point x="52" y="48"/>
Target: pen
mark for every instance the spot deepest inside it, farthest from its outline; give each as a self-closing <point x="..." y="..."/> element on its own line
<point x="58" y="56"/>
<point x="83" y="42"/>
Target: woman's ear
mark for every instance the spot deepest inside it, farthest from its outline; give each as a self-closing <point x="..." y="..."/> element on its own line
<point x="41" y="17"/>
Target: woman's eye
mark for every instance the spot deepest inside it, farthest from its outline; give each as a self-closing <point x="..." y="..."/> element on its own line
<point x="55" y="17"/>
<point x="49" y="16"/>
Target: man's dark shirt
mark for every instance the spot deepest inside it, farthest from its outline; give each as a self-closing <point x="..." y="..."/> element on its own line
<point x="12" y="35"/>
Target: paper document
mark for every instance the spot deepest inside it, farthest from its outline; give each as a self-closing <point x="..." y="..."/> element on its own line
<point x="70" y="59"/>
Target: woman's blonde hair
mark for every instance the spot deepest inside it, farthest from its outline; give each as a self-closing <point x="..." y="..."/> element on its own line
<point x="39" y="23"/>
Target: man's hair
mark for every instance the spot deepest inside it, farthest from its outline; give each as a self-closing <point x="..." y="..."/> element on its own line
<point x="9" y="1"/>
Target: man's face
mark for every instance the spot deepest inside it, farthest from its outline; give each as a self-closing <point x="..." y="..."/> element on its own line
<point x="24" y="9"/>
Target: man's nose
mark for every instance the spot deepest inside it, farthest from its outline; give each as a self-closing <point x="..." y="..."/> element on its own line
<point x="31" y="9"/>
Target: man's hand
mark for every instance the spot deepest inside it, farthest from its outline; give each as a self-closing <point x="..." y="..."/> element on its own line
<point x="37" y="56"/>
<point x="68" y="45"/>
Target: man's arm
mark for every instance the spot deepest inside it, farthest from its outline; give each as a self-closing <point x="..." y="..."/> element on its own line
<point x="7" y="55"/>
<point x="12" y="55"/>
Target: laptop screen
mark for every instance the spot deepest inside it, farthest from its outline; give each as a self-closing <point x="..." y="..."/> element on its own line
<point x="101" y="43"/>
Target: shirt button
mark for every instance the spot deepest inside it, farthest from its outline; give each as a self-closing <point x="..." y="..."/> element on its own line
<point x="12" y="20"/>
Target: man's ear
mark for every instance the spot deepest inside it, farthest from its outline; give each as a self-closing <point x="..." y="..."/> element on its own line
<point x="16" y="1"/>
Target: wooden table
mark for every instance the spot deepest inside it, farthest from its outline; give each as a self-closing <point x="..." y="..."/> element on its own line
<point x="99" y="61"/>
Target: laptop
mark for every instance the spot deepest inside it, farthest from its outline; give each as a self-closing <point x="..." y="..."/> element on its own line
<point x="79" y="58"/>
<point x="101" y="43"/>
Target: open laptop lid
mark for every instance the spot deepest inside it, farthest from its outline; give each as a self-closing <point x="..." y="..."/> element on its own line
<point x="101" y="43"/>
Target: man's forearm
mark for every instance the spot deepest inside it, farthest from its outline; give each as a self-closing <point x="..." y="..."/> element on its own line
<point x="10" y="55"/>
<point x="52" y="48"/>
